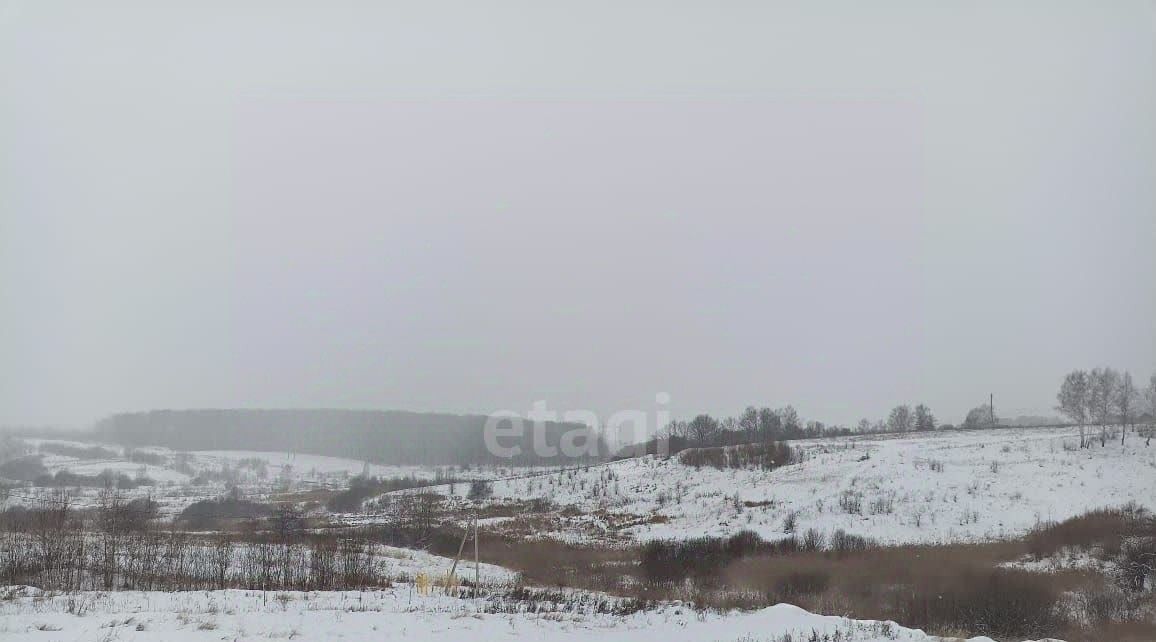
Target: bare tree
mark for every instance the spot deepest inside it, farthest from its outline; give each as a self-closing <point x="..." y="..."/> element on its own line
<point x="222" y="557"/>
<point x="729" y="424"/>
<point x="287" y="522"/>
<point x="110" y="519"/>
<point x="1150" y="394"/>
<point x="792" y="425"/>
<point x="980" y="417"/>
<point x="322" y="563"/>
<point x="51" y="526"/>
<point x="1102" y="384"/>
<point x="1126" y="400"/>
<point x="355" y="560"/>
<point x="676" y="429"/>
<point x="900" y="419"/>
<point x="424" y="518"/>
<point x="769" y="424"/>
<point x="749" y="423"/>
<point x="1072" y="400"/>
<point x="702" y="429"/>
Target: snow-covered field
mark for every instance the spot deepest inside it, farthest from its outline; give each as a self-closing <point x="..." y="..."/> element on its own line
<point x="181" y="478"/>
<point x="298" y="467"/>
<point x="390" y="614"/>
<point x="930" y="487"/>
<point x="926" y="487"/>
<point x="406" y="564"/>
<point x="920" y="488"/>
<point x="160" y="474"/>
<point x="304" y="467"/>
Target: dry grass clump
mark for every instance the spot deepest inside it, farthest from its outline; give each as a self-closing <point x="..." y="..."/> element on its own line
<point x="942" y="589"/>
<point x="766" y="455"/>
<point x="1105" y="529"/>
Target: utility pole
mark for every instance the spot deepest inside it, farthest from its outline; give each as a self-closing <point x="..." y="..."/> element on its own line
<point x="453" y="569"/>
<point x="991" y="407"/>
<point x="477" y="564"/>
<point x="477" y="561"/>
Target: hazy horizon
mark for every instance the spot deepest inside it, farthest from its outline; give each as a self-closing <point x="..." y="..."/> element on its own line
<point x="464" y="208"/>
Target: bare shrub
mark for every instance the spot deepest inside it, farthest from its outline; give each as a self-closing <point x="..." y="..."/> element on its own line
<point x="222" y="558"/>
<point x="1103" y="528"/>
<point x="995" y="602"/>
<point x="322" y="564"/>
<point x="790" y="521"/>
<point x="842" y="543"/>
<point x="883" y="505"/>
<point x="813" y="540"/>
<point x="800" y="583"/>
<point x="851" y="502"/>
<point x="209" y="513"/>
<point x="58" y="549"/>
<point x="1102" y="605"/>
<point x="701" y="557"/>
<point x="1136" y="565"/>
<point x="480" y="489"/>
<point x="355" y="563"/>
<point x="764" y="455"/>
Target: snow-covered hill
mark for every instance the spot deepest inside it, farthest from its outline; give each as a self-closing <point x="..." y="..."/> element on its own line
<point x="928" y="487"/>
<point x="925" y="487"/>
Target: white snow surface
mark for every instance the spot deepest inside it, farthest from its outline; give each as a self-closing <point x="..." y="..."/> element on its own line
<point x="396" y="613"/>
<point x="76" y="466"/>
<point x="174" y="490"/>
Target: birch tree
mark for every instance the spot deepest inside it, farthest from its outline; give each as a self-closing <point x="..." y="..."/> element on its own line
<point x="1126" y="400"/>
<point x="749" y="423"/>
<point x="1150" y="393"/>
<point x="1072" y="400"/>
<point x="900" y="419"/>
<point x="1102" y="385"/>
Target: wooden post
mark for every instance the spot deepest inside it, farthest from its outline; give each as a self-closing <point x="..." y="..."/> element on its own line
<point x="461" y="547"/>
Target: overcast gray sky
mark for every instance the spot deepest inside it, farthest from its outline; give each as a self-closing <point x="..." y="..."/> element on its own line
<point x="468" y="206"/>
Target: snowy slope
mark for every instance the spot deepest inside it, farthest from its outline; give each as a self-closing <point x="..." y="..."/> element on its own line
<point x="76" y="466"/>
<point x="938" y="487"/>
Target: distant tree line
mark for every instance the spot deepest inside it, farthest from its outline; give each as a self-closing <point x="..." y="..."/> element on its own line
<point x="765" y="425"/>
<point x="386" y="437"/>
<point x="753" y="425"/>
<point x="79" y="452"/>
<point x="1105" y="397"/>
<point x="363" y="487"/>
<point x="767" y="455"/>
<point x="30" y="468"/>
